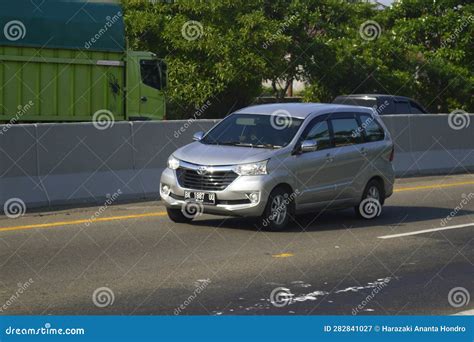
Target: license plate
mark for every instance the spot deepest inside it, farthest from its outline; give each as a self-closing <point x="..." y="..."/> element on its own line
<point x="200" y="196"/>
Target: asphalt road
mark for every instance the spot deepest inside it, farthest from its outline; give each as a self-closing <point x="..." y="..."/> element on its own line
<point x="330" y="263"/>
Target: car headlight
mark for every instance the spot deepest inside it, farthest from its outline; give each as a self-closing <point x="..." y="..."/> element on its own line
<point x="173" y="163"/>
<point x="251" y="169"/>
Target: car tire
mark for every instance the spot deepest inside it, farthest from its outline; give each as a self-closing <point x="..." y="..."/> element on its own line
<point x="274" y="219"/>
<point x="176" y="215"/>
<point x="374" y="190"/>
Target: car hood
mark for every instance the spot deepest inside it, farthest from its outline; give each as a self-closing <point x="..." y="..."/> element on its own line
<point x="198" y="153"/>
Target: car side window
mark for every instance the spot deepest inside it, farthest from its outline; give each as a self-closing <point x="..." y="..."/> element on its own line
<point x="415" y="109"/>
<point x="319" y="132"/>
<point x="346" y="132"/>
<point x="402" y="107"/>
<point x="371" y="128"/>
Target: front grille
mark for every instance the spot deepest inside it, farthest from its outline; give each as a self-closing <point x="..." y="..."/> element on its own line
<point x="215" y="181"/>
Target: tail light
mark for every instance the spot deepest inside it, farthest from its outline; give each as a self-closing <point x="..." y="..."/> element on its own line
<point x="392" y="154"/>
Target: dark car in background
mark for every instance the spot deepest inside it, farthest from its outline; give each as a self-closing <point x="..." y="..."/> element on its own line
<point x="383" y="104"/>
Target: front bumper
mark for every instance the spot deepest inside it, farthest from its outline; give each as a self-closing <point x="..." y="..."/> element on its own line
<point x="232" y="201"/>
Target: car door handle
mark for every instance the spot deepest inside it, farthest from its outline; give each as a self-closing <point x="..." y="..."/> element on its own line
<point x="363" y="151"/>
<point x="329" y="158"/>
<point x="144" y="99"/>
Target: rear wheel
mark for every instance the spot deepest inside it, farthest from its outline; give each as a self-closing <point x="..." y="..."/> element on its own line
<point x="176" y="215"/>
<point x="278" y="211"/>
<point x="372" y="201"/>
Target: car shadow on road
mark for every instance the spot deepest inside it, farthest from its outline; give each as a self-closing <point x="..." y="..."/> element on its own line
<point x="391" y="216"/>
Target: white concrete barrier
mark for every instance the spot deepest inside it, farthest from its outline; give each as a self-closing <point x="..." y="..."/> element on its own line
<point x="69" y="163"/>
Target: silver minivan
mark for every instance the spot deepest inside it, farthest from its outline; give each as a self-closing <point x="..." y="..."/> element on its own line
<point x="278" y="160"/>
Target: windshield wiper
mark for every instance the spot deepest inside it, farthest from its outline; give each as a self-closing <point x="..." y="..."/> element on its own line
<point x="238" y="143"/>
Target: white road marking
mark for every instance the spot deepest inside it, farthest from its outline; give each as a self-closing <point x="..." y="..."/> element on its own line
<point x="465" y="313"/>
<point x="426" y="231"/>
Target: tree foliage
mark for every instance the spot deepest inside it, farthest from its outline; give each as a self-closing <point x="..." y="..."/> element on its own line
<point x="220" y="51"/>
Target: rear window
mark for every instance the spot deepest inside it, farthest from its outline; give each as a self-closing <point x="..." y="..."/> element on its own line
<point x="373" y="131"/>
<point x="402" y="107"/>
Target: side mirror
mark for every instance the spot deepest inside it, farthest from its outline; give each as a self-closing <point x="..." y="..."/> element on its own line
<point x="309" y="145"/>
<point x="198" y="136"/>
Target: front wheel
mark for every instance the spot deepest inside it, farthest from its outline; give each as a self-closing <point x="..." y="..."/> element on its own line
<point x="277" y="211"/>
<point x="372" y="201"/>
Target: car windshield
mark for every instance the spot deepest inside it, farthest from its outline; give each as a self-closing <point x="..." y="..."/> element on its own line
<point x="254" y="130"/>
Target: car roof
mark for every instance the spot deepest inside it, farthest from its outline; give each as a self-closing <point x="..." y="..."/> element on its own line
<point x="301" y="110"/>
<point x="358" y="96"/>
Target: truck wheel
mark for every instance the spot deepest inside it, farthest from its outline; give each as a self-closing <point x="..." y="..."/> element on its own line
<point x="176" y="215"/>
<point x="278" y="211"/>
<point x="372" y="201"/>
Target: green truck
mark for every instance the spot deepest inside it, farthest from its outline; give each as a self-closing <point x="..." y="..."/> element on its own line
<point x="67" y="60"/>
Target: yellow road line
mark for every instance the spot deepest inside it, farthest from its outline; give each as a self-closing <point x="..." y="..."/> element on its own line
<point x="437" y="186"/>
<point x="76" y="222"/>
<point x="283" y="255"/>
<point x="162" y="213"/>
